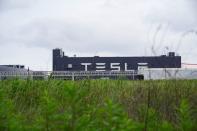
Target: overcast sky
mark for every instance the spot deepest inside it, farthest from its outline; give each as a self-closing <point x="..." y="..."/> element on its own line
<point x="30" y="29"/>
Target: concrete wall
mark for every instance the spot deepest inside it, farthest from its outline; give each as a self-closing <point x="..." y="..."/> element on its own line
<point x="174" y="73"/>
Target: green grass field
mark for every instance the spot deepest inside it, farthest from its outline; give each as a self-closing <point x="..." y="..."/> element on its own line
<point x="98" y="105"/>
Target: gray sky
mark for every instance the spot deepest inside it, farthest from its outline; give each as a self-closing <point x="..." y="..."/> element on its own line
<point x="30" y="29"/>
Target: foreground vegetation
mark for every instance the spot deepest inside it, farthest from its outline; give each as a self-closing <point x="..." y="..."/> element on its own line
<point x="98" y="105"/>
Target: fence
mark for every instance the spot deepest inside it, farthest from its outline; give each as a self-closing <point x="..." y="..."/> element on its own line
<point x="69" y="75"/>
<point x="162" y="73"/>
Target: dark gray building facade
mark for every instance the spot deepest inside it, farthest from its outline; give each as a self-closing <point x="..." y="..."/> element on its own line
<point x="14" y="68"/>
<point x="96" y="63"/>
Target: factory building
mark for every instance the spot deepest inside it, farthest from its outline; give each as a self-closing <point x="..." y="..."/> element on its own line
<point x="10" y="71"/>
<point x="15" y="68"/>
<point x="65" y="67"/>
<point x="96" y="63"/>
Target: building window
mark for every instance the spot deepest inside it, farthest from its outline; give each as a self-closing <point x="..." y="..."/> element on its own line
<point x="70" y="65"/>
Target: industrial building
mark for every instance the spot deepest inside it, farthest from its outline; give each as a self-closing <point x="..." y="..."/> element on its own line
<point x="96" y="67"/>
<point x="16" y="68"/>
<point x="8" y="71"/>
<point x="96" y="63"/>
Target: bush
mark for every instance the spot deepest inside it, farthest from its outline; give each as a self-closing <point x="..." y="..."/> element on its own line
<point x="98" y="105"/>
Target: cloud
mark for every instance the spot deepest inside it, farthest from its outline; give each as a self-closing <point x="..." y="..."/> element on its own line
<point x="105" y="27"/>
<point x="178" y="13"/>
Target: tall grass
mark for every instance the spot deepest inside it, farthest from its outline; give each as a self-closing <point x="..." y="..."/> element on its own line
<point x="98" y="105"/>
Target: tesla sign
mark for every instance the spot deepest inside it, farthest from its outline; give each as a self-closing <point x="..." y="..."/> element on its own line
<point x="102" y="66"/>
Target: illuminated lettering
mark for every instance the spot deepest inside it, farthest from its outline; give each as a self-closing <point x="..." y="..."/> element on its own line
<point x="100" y="66"/>
<point x="86" y="65"/>
<point x="115" y="66"/>
<point x="126" y="67"/>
